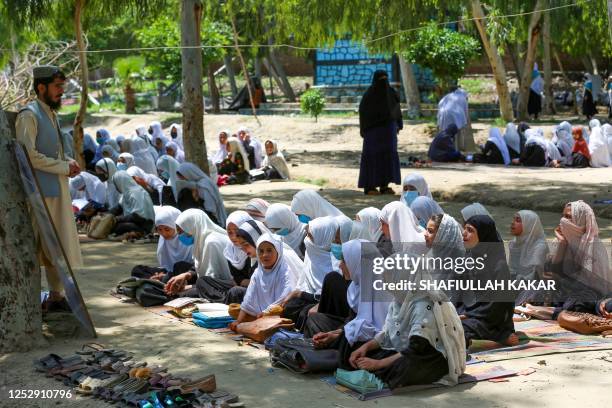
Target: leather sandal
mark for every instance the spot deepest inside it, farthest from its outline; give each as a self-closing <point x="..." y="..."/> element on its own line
<point x="204" y="384"/>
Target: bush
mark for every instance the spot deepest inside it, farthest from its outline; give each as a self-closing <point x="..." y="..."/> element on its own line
<point x="444" y="51"/>
<point x="312" y="102"/>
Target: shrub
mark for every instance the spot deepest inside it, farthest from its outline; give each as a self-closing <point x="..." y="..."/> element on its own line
<point x="312" y="102"/>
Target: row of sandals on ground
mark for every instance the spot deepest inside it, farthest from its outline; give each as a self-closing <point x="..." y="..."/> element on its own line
<point x="307" y="259"/>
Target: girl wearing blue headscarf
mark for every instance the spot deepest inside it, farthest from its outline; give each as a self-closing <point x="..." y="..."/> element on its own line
<point x="102" y="136"/>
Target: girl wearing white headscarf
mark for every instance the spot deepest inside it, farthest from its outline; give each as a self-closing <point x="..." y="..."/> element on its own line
<point x="110" y="152"/>
<point x="598" y="148"/>
<point x="607" y="133"/>
<point x="562" y="138"/>
<point x="150" y="182"/>
<point x="370" y="218"/>
<point x="95" y="190"/>
<point x="367" y="315"/>
<point x="244" y="134"/>
<point x="221" y="154"/>
<point x="236" y="164"/>
<point x="137" y="215"/>
<point x="170" y="250"/>
<point x="241" y="267"/>
<point x="206" y="188"/>
<point x="105" y="170"/>
<point x="495" y="150"/>
<point x="142" y="156"/>
<point x="513" y="141"/>
<point x="125" y="161"/>
<point x="401" y="227"/>
<point x="528" y="250"/>
<point x="274" y="163"/>
<point x="318" y="264"/>
<point x="474" y="209"/>
<point x="257" y="208"/>
<point x="421" y="342"/>
<point x="309" y="205"/>
<point x="413" y="186"/>
<point x="209" y="242"/>
<point x="271" y="282"/>
<point x="176" y="133"/>
<point x="167" y="167"/>
<point x="423" y="208"/>
<point x="173" y="149"/>
<point x="281" y="221"/>
<point x="143" y="136"/>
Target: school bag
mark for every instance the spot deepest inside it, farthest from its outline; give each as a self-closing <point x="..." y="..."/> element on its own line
<point x="264" y="327"/>
<point x="146" y="292"/>
<point x="298" y="355"/>
<point x="282" y="334"/>
<point x="101" y="226"/>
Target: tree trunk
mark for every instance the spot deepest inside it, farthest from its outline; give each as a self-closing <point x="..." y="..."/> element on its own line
<point x="515" y="55"/>
<point x="534" y="33"/>
<point x="567" y="81"/>
<point x="20" y="313"/>
<point x="587" y="63"/>
<point x="193" y="104"/>
<point x="273" y="74"/>
<point x="213" y="90"/>
<point x="227" y="60"/>
<point x="77" y="134"/>
<point x="257" y="67"/>
<point x="130" y="99"/>
<point x="549" y="99"/>
<point x="610" y="18"/>
<point x="411" y="88"/>
<point x="245" y="72"/>
<point x="594" y="64"/>
<point x="278" y="67"/>
<point x="496" y="62"/>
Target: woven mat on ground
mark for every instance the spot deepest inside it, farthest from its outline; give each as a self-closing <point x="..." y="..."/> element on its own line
<point x="537" y="338"/>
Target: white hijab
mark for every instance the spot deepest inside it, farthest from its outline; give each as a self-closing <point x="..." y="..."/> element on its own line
<point x="95" y="190"/>
<point x="528" y="250"/>
<point x="318" y="259"/>
<point x="151" y="179"/>
<point x="496" y="138"/>
<point x="512" y="138"/>
<point x="417" y="181"/>
<point x="310" y="203"/>
<point x="268" y="287"/>
<point x="474" y="209"/>
<point x="598" y="147"/>
<point x="109" y="168"/>
<point x="134" y="199"/>
<point x="170" y="251"/>
<point x="279" y="216"/>
<point x="221" y="154"/>
<point x="142" y="156"/>
<point x="209" y="242"/>
<point x="128" y="159"/>
<point x="562" y="138"/>
<point x="277" y="160"/>
<point x="236" y="146"/>
<point x="179" y="154"/>
<point x="257" y="208"/>
<point x="169" y="165"/>
<point x="607" y="132"/>
<point x="207" y="190"/>
<point x="423" y="208"/>
<point x="371" y="314"/>
<point x="370" y="218"/>
<point x="179" y="134"/>
<point x="403" y="225"/>
<point x="235" y="255"/>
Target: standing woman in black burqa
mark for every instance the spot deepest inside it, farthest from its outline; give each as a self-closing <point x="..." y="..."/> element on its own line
<point x="380" y="120"/>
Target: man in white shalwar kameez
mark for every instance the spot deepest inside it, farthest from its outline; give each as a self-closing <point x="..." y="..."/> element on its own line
<point x="38" y="130"/>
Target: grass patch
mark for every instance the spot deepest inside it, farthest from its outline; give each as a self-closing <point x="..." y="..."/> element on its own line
<point x="321" y="182"/>
<point x="472" y="85"/>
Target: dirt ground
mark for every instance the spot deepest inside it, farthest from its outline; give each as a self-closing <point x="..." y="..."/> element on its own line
<point x="329" y="150"/>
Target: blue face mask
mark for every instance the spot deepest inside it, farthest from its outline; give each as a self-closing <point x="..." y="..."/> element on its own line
<point x="283" y="232"/>
<point x="423" y="224"/>
<point x="410" y="196"/>
<point x="185" y="239"/>
<point x="122" y="166"/>
<point x="336" y="250"/>
<point x="304" y="219"/>
<point x="165" y="175"/>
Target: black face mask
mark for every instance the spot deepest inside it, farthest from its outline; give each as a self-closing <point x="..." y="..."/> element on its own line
<point x="103" y="177"/>
<point x="174" y="135"/>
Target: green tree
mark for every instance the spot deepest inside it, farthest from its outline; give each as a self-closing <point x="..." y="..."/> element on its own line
<point x="312" y="102"/>
<point x="127" y="69"/>
<point x="444" y="51"/>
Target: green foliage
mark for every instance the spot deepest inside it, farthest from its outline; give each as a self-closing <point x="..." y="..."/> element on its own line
<point x="165" y="30"/>
<point x="127" y="68"/>
<point x="446" y="52"/>
<point x="312" y="102"/>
